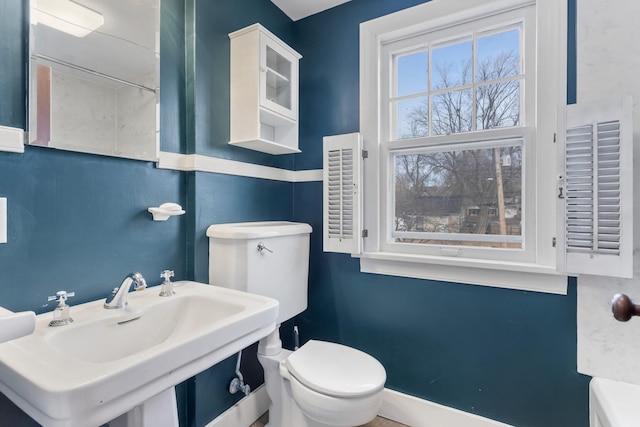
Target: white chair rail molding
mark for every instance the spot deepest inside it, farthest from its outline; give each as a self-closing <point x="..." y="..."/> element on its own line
<point x="11" y="139"/>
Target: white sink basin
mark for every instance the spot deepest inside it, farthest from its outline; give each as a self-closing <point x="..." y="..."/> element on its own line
<point x="108" y="361"/>
<point x="111" y="338"/>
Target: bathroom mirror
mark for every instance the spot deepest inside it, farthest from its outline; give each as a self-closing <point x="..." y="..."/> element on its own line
<point x="94" y="76"/>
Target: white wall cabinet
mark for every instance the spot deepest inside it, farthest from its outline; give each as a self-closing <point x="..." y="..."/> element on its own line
<point x="264" y="92"/>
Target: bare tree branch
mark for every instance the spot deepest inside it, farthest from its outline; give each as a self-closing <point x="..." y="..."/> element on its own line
<point x="427" y="183"/>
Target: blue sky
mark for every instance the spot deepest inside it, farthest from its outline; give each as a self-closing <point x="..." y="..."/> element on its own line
<point x="413" y="68"/>
<point x="452" y="58"/>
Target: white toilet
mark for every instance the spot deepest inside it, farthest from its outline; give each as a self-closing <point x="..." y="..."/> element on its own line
<point x="322" y="383"/>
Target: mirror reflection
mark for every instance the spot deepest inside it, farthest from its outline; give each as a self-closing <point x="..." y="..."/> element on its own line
<point x="95" y="76"/>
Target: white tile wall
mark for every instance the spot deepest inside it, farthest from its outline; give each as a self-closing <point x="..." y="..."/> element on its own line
<point x="101" y="116"/>
<point x="83" y="112"/>
<point x="608" y="59"/>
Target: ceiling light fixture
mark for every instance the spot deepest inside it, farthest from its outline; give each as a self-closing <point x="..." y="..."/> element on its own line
<point x="67" y="16"/>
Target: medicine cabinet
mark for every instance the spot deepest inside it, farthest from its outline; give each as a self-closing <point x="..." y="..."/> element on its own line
<point x="264" y="92"/>
<point x="95" y="76"/>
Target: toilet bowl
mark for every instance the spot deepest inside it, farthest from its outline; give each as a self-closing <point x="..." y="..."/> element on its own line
<point x="323" y="384"/>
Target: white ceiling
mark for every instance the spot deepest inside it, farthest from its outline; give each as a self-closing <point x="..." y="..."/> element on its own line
<point x="298" y="9"/>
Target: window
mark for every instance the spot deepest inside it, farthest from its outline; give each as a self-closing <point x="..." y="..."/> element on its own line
<point x="460" y="174"/>
<point x="446" y="88"/>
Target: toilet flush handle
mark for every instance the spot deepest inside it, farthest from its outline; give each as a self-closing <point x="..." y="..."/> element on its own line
<point x="262" y="247"/>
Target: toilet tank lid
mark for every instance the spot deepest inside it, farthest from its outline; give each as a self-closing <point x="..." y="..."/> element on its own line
<point x="257" y="230"/>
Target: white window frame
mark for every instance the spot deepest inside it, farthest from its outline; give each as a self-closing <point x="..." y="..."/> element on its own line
<point x="465" y="140"/>
<point x="536" y="270"/>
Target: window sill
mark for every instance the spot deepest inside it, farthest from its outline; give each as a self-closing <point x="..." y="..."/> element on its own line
<point x="509" y="275"/>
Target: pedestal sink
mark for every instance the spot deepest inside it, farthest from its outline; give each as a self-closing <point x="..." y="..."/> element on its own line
<point x="127" y="361"/>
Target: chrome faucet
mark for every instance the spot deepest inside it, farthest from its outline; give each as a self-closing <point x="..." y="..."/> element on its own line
<point x="118" y="299"/>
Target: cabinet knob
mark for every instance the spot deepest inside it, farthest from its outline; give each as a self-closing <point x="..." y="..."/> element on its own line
<point x="623" y="308"/>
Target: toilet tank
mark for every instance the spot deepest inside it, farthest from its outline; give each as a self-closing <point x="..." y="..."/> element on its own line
<point x="265" y="258"/>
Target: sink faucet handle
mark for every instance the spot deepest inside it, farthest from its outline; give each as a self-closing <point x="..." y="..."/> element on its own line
<point x="166" y="274"/>
<point x="61" y="312"/>
<point x="61" y="297"/>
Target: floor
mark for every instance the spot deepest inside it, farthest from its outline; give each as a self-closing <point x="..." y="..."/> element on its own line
<point x="378" y="422"/>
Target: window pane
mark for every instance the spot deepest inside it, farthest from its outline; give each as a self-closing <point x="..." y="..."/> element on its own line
<point x="451" y="65"/>
<point x="452" y="112"/>
<point x="412" y="117"/>
<point x="412" y="73"/>
<point x="460" y="197"/>
<point x="498" y="105"/>
<point x="498" y="56"/>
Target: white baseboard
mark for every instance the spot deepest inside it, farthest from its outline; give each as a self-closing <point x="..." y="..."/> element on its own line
<point x="396" y="406"/>
<point x="245" y="412"/>
<point x="11" y="139"/>
<point x="415" y="412"/>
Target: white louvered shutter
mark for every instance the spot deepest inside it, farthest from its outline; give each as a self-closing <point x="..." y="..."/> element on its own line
<point x="342" y="193"/>
<point x="595" y="189"/>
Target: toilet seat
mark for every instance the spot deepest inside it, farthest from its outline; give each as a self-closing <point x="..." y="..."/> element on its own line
<point x="336" y="370"/>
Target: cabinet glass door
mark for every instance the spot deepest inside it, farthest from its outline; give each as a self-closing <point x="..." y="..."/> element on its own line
<point x="278" y="82"/>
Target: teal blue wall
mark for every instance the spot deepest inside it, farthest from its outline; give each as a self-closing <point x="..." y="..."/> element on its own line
<point x="504" y="354"/>
<point x="79" y="222"/>
<point x="223" y="198"/>
<point x="214" y="21"/>
<point x="13" y="67"/>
